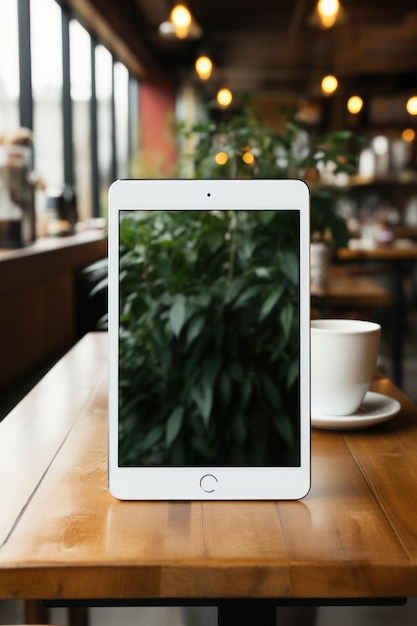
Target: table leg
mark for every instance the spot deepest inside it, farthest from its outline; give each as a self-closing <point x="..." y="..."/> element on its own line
<point x="35" y="612"/>
<point x="241" y="615"/>
<point x="78" y="616"/>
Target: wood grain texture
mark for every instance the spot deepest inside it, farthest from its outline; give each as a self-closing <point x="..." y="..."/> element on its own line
<point x="34" y="433"/>
<point x="63" y="536"/>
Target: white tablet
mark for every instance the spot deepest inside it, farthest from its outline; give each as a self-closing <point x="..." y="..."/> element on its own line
<point x="209" y="326"/>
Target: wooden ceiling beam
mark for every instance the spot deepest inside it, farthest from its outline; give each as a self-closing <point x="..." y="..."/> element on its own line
<point x="118" y="26"/>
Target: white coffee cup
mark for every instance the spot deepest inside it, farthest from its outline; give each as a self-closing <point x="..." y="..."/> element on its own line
<point x="343" y="363"/>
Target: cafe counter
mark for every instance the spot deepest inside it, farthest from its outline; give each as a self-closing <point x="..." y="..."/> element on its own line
<point x="38" y="294"/>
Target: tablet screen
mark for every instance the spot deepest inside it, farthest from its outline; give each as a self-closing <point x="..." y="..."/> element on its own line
<point x="209" y="338"/>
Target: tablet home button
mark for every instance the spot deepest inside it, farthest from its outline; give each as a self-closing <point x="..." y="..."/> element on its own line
<point x="208" y="483"/>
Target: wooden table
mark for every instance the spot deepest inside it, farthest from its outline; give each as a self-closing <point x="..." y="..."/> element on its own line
<point x="398" y="251"/>
<point x="63" y="537"/>
<point x="345" y="289"/>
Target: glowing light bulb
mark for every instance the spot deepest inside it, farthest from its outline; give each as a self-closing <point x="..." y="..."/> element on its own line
<point x="203" y="67"/>
<point x="248" y="158"/>
<point x="408" y="134"/>
<point x="411" y="105"/>
<point x="180" y="16"/>
<point x="181" y="19"/>
<point x="354" y="104"/>
<point x="328" y="7"/>
<point x="329" y="84"/>
<point x="328" y="10"/>
<point x="221" y="158"/>
<point x="224" y="97"/>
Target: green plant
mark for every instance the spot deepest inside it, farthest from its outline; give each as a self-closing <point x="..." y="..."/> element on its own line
<point x="209" y="338"/>
<point x="249" y="148"/>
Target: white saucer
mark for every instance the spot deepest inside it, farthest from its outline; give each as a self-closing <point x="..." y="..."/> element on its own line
<point x="375" y="409"/>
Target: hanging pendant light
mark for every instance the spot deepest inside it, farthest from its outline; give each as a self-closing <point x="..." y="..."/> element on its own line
<point x="328" y="10"/>
<point x="224" y="97"/>
<point x="329" y="84"/>
<point x="181" y="24"/>
<point x="411" y="105"/>
<point x="327" y="13"/>
<point x="354" y="105"/>
<point x="203" y="67"/>
<point x="180" y="17"/>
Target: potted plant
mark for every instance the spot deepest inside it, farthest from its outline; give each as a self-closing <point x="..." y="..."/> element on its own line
<point x="203" y="295"/>
<point x="208" y="338"/>
<point x="243" y="146"/>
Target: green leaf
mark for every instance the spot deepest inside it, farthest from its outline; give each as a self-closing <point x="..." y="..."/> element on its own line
<point x="203" y="397"/>
<point x="270" y="302"/>
<point x="262" y="272"/>
<point x="173" y="425"/>
<point x="177" y="314"/>
<point x="225" y="389"/>
<point x="248" y="294"/>
<point x="272" y="392"/>
<point x="211" y="368"/>
<point x="195" y="327"/>
<point x="293" y="372"/>
<point x="291" y="267"/>
<point x="286" y="318"/>
<point x="152" y="438"/>
<point x="234" y="289"/>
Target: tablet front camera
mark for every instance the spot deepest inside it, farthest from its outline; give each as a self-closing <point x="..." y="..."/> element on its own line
<point x="208" y="194"/>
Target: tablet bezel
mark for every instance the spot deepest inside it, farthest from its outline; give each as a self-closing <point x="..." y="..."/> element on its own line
<point x="224" y="483"/>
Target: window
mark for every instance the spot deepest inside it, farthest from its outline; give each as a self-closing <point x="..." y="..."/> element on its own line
<point x="9" y="67"/>
<point x="80" y="54"/>
<point x="121" y="95"/>
<point x="104" y="94"/>
<point x="46" y="47"/>
<point x="59" y="81"/>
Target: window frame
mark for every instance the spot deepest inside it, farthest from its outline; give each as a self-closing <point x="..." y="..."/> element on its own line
<point x="26" y="118"/>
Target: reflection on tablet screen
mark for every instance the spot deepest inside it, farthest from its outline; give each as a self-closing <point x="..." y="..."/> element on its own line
<point x="209" y="346"/>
